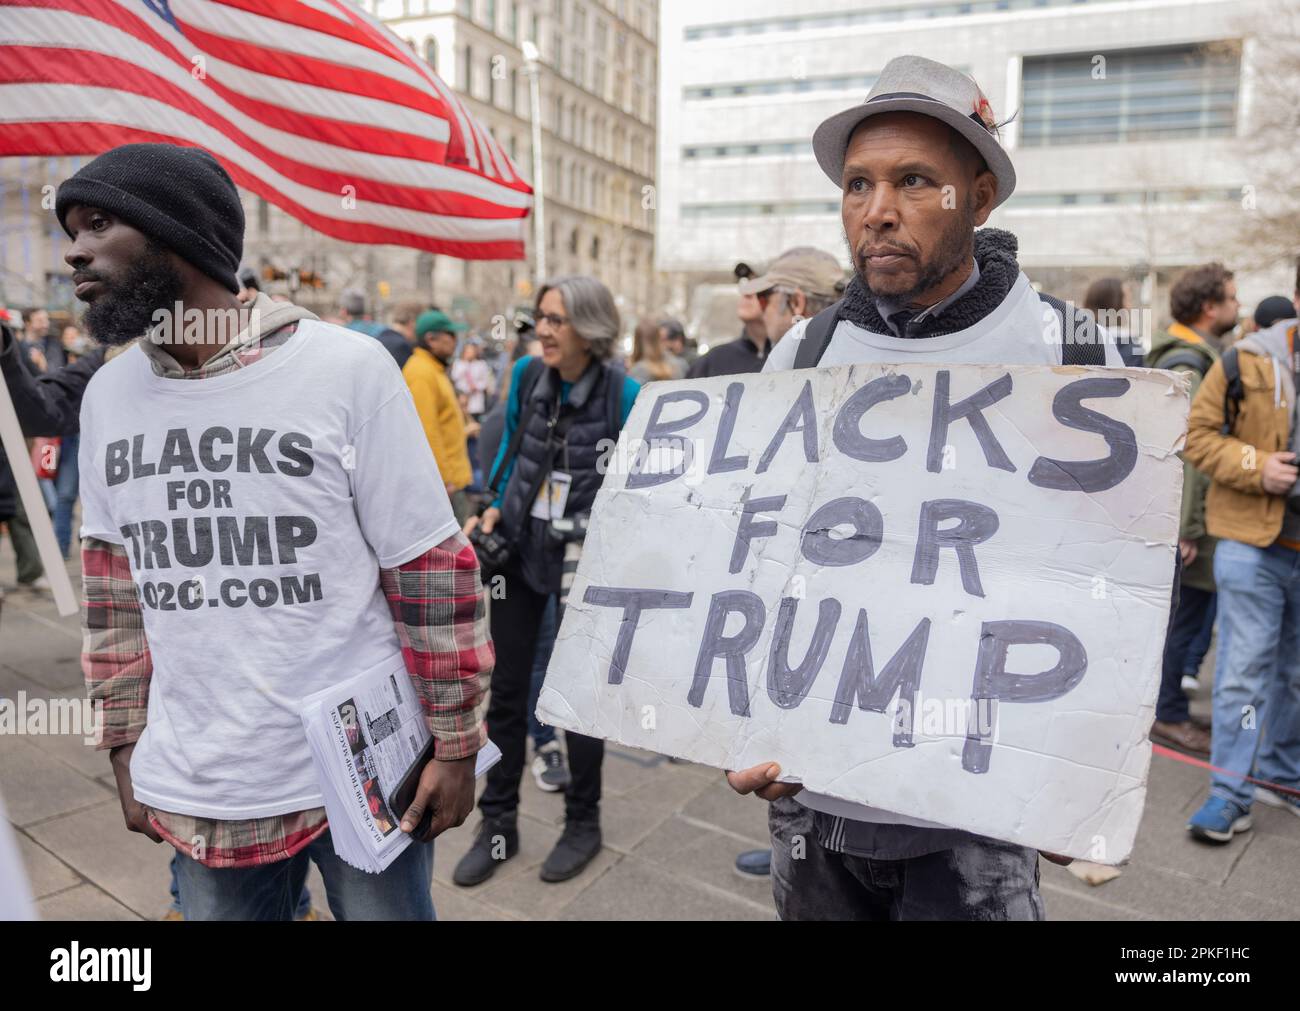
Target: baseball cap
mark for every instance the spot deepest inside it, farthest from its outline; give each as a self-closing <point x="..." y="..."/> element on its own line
<point x="915" y="84"/>
<point x="435" y="321"/>
<point x="812" y="271"/>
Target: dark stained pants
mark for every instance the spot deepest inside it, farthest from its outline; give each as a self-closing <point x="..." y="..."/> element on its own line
<point x="516" y="619"/>
<point x="976" y="880"/>
<point x="24" y="542"/>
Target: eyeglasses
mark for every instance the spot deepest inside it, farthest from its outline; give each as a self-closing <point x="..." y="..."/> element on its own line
<point x="552" y="320"/>
<point x="766" y="296"/>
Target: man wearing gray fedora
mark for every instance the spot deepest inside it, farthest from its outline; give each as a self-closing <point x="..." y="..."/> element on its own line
<point x="920" y="167"/>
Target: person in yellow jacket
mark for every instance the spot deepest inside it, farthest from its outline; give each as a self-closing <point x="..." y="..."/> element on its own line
<point x="436" y="402"/>
<point x="1246" y="438"/>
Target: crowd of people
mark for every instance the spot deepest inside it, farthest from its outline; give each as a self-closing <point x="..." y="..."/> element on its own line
<point x="43" y="348"/>
<point x="460" y="472"/>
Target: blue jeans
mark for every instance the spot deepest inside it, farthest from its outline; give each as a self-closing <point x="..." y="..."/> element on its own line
<point x="65" y="490"/>
<point x="49" y="494"/>
<point x="540" y="732"/>
<point x="304" y="900"/>
<point x="1257" y="671"/>
<point x="272" y="891"/>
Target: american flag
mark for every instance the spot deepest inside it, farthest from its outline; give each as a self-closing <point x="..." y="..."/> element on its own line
<point x="312" y="104"/>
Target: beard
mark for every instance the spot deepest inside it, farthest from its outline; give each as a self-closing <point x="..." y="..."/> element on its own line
<point x="127" y="309"/>
<point x="1219" y="329"/>
<point x="954" y="248"/>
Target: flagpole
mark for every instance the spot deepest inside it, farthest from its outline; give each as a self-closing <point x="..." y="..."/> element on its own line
<point x="29" y="491"/>
<point x="533" y="69"/>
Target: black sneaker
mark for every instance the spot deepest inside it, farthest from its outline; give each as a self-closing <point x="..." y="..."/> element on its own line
<point x="754" y="864"/>
<point x="497" y="841"/>
<point x="549" y="771"/>
<point x="577" y="847"/>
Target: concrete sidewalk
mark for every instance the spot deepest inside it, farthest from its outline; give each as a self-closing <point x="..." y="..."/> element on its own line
<point x="671" y="831"/>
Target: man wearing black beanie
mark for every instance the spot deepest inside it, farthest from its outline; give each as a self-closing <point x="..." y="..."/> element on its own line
<point x="183" y="235"/>
<point x="246" y="545"/>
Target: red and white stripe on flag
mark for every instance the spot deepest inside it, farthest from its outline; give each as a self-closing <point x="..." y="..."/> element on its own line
<point x="312" y="104"/>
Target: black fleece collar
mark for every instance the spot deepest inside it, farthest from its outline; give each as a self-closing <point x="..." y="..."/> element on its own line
<point x="995" y="252"/>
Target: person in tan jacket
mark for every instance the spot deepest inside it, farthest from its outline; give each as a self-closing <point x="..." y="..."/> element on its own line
<point x="1244" y="440"/>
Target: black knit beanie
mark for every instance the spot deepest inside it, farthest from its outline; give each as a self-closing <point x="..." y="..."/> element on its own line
<point x="179" y="196"/>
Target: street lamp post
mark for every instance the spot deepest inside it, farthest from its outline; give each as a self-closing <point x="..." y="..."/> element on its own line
<point x="533" y="68"/>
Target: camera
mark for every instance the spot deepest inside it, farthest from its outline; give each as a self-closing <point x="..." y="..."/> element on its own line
<point x="569" y="529"/>
<point x="493" y="549"/>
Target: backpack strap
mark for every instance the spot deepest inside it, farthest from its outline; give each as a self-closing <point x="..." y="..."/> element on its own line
<point x="1184" y="358"/>
<point x="614" y="400"/>
<point x="532" y="372"/>
<point x="817" y="337"/>
<point x="1233" y="390"/>
<point x="1091" y="350"/>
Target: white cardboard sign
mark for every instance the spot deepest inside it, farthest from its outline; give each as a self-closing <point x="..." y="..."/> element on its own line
<point x="941" y="591"/>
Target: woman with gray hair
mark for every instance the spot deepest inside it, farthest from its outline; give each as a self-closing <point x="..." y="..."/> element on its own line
<point x="566" y="406"/>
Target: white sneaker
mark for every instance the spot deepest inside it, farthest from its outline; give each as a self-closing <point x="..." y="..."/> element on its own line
<point x="549" y="771"/>
<point x="38" y="585"/>
<point x="1273" y="798"/>
<point x="1190" y="685"/>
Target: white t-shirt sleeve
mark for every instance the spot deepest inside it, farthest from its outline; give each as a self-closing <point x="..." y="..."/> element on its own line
<point x="96" y="519"/>
<point x="783" y="354"/>
<point x="401" y="501"/>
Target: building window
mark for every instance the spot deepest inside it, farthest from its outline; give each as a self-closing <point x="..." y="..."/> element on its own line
<point x="782" y="86"/>
<point x="431" y="53"/>
<point x="871" y="14"/>
<point x="790" y="208"/>
<point x="465" y="75"/>
<point x="1140" y="94"/>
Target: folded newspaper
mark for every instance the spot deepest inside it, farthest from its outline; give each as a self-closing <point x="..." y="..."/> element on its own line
<point x="366" y="735"/>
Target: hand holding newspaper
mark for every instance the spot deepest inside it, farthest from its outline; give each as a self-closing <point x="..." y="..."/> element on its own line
<point x="366" y="734"/>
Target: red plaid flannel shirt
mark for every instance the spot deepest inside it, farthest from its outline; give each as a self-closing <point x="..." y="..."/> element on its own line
<point x="439" y="611"/>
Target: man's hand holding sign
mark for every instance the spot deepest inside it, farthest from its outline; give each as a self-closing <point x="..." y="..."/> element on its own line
<point x="941" y="591"/>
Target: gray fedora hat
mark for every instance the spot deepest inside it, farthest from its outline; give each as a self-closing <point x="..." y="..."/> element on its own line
<point x="915" y="84"/>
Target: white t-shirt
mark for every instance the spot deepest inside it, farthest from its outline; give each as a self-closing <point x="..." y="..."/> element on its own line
<point x="257" y="508"/>
<point x="1020" y="331"/>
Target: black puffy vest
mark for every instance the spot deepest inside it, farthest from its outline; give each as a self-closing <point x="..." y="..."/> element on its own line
<point x="593" y="415"/>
